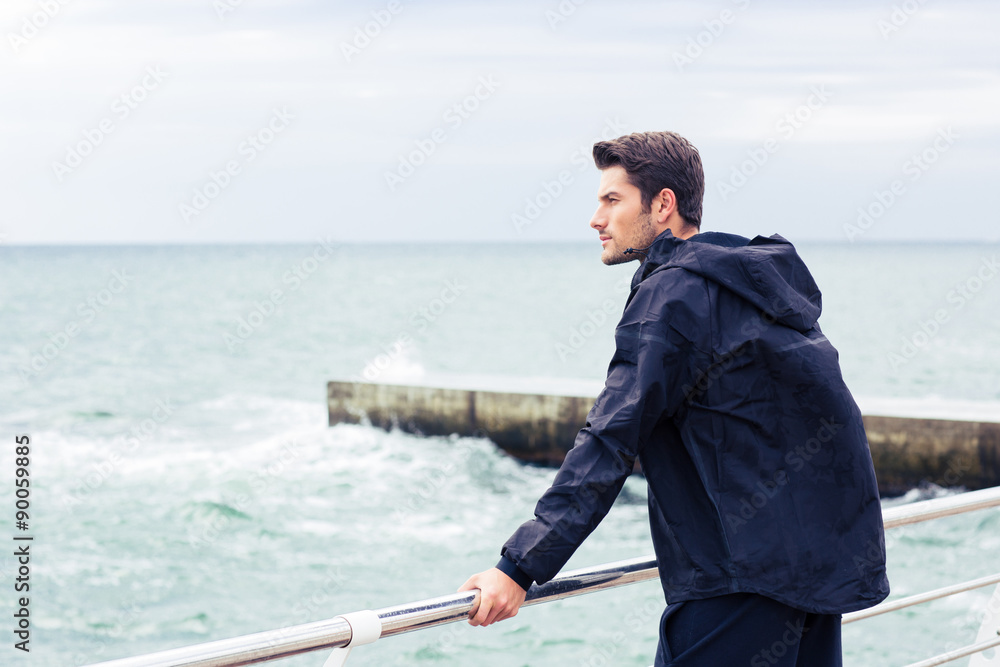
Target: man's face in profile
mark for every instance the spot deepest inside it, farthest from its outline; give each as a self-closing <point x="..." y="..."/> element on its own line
<point x="620" y="220"/>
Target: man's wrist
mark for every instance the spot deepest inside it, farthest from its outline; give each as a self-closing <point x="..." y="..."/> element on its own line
<point x="510" y="568"/>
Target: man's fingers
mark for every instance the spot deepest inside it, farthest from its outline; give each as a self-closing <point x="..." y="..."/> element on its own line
<point x="471" y="584"/>
<point x="496" y="614"/>
<point x="485" y="607"/>
<point x="476" y="603"/>
<point x="501" y="611"/>
<point x="499" y="597"/>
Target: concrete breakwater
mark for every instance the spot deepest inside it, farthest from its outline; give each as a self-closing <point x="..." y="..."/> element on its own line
<point x="540" y="428"/>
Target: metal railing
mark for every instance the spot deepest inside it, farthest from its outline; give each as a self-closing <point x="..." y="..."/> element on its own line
<point x="336" y="633"/>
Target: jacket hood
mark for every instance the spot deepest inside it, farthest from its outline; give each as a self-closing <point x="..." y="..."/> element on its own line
<point x="766" y="271"/>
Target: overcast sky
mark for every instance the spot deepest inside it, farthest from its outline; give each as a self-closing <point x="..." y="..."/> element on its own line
<point x="264" y="121"/>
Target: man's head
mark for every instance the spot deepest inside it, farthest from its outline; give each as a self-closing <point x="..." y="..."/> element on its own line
<point x="650" y="182"/>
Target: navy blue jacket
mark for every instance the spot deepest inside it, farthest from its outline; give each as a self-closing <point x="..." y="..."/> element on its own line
<point x="725" y="389"/>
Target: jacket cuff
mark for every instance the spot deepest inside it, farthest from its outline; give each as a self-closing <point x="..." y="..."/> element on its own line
<point x="510" y="568"/>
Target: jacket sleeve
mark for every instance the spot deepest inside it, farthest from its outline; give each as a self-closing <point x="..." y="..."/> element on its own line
<point x="638" y="392"/>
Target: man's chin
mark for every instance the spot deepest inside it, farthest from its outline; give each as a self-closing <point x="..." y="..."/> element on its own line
<point x="615" y="256"/>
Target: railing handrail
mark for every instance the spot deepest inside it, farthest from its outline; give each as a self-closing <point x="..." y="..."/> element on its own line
<point x="336" y="632"/>
<point x="937" y="508"/>
<point x="920" y="598"/>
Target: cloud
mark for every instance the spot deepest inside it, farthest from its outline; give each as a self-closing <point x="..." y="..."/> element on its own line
<point x="358" y="116"/>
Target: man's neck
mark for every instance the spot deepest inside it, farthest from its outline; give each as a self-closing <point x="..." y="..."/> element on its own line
<point x="682" y="230"/>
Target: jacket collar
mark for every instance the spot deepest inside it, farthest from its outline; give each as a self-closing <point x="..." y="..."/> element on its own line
<point x="659" y="252"/>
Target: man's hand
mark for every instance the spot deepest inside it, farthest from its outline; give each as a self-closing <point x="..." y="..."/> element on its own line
<point x="500" y="597"/>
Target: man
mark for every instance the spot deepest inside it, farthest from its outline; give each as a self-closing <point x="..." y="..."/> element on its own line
<point x="763" y="504"/>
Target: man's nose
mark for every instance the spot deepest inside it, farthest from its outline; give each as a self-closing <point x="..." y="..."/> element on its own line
<point x="598" y="221"/>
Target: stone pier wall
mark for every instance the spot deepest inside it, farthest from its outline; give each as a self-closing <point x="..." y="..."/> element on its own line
<point x="540" y="428"/>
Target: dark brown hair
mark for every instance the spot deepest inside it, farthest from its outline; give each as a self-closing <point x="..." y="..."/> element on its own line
<point x="657" y="160"/>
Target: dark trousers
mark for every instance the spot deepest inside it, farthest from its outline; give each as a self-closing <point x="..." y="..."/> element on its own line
<point x="745" y="630"/>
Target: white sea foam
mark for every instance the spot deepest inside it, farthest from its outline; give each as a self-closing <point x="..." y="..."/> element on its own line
<point x="506" y="383"/>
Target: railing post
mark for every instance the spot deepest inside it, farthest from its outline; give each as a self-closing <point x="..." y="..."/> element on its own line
<point x="366" y="628"/>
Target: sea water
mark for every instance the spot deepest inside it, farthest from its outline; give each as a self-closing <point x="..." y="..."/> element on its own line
<point x="186" y="486"/>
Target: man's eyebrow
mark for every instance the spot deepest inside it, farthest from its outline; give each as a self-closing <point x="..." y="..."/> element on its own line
<point x="608" y="194"/>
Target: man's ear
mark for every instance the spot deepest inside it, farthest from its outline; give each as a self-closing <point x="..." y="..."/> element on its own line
<point x="663" y="205"/>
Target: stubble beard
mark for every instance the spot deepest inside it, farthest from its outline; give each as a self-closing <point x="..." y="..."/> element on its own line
<point x="643" y="236"/>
